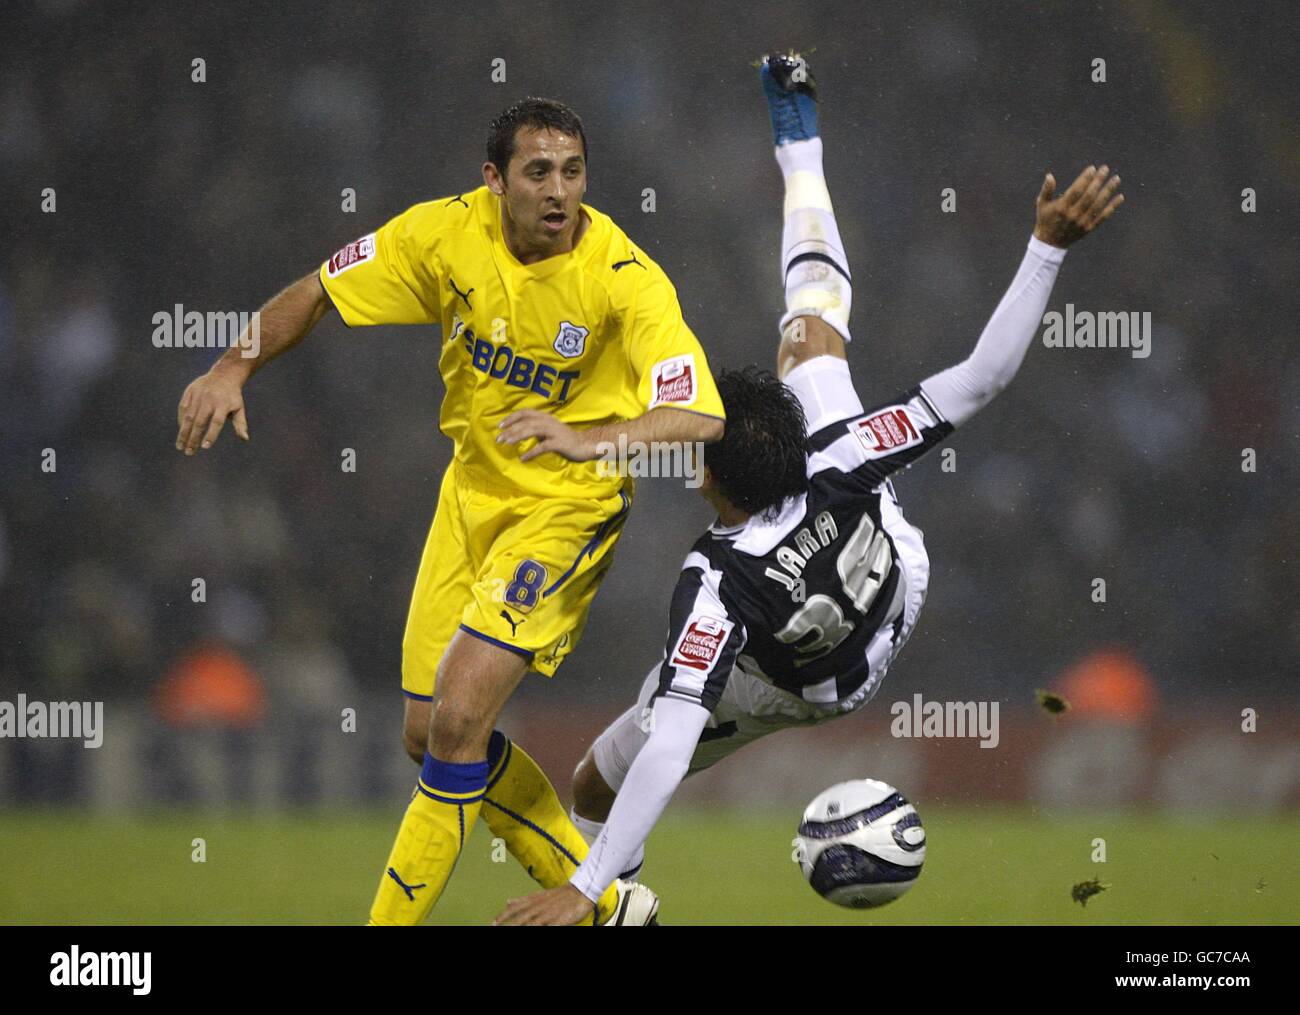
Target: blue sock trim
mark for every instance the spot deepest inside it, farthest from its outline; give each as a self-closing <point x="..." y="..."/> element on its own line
<point x="455" y="801"/>
<point x="528" y="824"/>
<point x="452" y="778"/>
<point x="496" y="749"/>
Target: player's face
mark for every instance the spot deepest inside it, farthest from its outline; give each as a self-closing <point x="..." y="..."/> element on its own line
<point x="543" y="189"/>
<point x="709" y="488"/>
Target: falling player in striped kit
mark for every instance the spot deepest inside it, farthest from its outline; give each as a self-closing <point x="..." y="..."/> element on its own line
<point x="791" y="608"/>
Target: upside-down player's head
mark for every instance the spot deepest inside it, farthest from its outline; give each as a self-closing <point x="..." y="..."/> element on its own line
<point x="762" y="458"/>
<point x="537" y="165"/>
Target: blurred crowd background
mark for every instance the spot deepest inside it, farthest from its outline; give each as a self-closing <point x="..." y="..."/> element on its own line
<point x="214" y="195"/>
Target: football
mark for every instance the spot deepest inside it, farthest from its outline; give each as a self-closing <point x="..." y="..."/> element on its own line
<point x="860" y="844"/>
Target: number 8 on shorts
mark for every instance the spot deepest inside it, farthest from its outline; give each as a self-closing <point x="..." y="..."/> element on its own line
<point x="523" y="592"/>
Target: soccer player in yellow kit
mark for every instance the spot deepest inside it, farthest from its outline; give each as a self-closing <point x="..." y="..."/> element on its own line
<point x="558" y="335"/>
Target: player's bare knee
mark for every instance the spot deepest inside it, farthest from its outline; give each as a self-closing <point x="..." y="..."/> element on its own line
<point x="807" y="338"/>
<point x="415" y="729"/>
<point x="415" y="742"/>
<point x="458" y="733"/>
<point x="592" y="796"/>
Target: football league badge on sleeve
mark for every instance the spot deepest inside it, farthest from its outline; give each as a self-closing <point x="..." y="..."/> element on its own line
<point x="571" y="342"/>
<point x="701" y="643"/>
<point x="355" y="253"/>
<point x="674" y="381"/>
<point x="887" y="431"/>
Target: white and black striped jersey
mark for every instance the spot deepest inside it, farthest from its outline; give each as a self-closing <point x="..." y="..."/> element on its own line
<point x="812" y="601"/>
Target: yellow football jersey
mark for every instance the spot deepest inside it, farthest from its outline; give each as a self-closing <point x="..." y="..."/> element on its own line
<point x="593" y="336"/>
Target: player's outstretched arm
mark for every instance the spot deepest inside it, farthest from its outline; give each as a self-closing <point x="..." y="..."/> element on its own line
<point x="663" y="424"/>
<point x="651" y="780"/>
<point x="217" y="395"/>
<point x="962" y="390"/>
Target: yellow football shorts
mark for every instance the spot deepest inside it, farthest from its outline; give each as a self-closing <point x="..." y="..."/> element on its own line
<point x="516" y="571"/>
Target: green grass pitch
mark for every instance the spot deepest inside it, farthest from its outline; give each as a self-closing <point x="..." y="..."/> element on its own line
<point x="982" y="866"/>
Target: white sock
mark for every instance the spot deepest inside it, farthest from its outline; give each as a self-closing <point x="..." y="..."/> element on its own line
<point x="798" y="155"/>
<point x="818" y="284"/>
<point x="590" y="830"/>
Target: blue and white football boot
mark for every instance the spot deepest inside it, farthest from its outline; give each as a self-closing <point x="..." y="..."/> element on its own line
<point x="791" y="97"/>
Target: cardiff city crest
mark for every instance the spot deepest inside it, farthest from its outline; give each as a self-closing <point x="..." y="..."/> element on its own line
<point x="571" y="342"/>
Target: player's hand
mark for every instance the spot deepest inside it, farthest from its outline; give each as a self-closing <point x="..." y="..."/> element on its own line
<point x="555" y="907"/>
<point x="1090" y="200"/>
<point x="550" y="434"/>
<point x="206" y="405"/>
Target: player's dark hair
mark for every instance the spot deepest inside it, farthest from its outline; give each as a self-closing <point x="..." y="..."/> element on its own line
<point x="762" y="458"/>
<point x="539" y="114"/>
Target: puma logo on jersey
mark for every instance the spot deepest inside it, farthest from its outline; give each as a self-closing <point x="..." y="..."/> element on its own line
<point x="465" y="296"/>
<point x="514" y="624"/>
<point x="410" y="890"/>
<point x="623" y="264"/>
<point x="454" y="200"/>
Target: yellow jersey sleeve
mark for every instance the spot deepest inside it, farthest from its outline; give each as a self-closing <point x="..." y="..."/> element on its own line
<point x="389" y="276"/>
<point x="665" y="355"/>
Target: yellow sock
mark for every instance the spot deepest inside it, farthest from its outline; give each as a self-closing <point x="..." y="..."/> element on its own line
<point x="522" y="808"/>
<point x="438" y="820"/>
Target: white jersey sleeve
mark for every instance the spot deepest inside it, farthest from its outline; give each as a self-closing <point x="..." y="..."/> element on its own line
<point x="872" y="444"/>
<point x="704" y="638"/>
<point x="962" y="390"/>
<point x="675" y="728"/>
